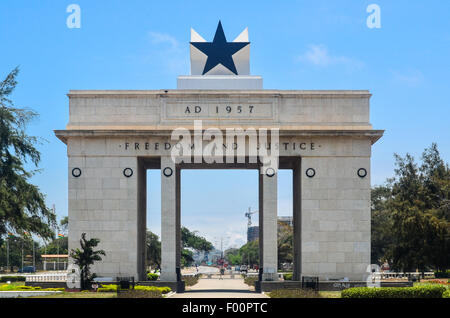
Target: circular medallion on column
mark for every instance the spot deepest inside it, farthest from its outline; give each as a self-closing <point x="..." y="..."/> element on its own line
<point x="76" y="172"/>
<point x="127" y="172"/>
<point x="362" y="172"/>
<point x="310" y="172"/>
<point x="167" y="171"/>
<point x="270" y="172"/>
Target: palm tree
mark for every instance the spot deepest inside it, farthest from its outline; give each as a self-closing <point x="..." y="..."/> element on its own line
<point x="85" y="257"/>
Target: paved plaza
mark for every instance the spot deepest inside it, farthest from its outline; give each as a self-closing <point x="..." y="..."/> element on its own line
<point x="220" y="288"/>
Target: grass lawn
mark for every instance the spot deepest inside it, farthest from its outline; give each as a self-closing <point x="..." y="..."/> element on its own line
<point x="330" y="294"/>
<point x="14" y="284"/>
<point x="303" y="293"/>
<point x="79" y="295"/>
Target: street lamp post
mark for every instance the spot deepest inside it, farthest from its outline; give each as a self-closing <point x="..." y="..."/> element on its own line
<point x="34" y="262"/>
<point x="7" y="253"/>
<point x="57" y="256"/>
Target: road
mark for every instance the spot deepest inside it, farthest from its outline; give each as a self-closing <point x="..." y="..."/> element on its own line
<point x="219" y="288"/>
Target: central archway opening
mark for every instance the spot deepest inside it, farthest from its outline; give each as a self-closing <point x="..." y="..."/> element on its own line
<point x="214" y="203"/>
<point x="218" y="207"/>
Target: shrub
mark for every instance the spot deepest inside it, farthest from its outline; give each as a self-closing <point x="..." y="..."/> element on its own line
<point x="287" y="276"/>
<point x="438" y="281"/>
<point x="54" y="289"/>
<point x="294" y="293"/>
<point x="113" y="289"/>
<point x="446" y="294"/>
<point x="442" y="274"/>
<point x="107" y="289"/>
<point x="163" y="290"/>
<point x="152" y="276"/>
<point x="250" y="280"/>
<point x="424" y="291"/>
<point x="138" y="293"/>
<point x="190" y="280"/>
<point x="12" y="279"/>
<point x="23" y="287"/>
<point x="7" y="287"/>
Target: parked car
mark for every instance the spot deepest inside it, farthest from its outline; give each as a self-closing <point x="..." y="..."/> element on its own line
<point x="237" y="268"/>
<point x="244" y="268"/>
<point x="27" y="269"/>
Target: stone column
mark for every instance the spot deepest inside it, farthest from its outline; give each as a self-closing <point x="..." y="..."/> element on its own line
<point x="142" y="219"/>
<point x="178" y="219"/>
<point x="168" y="220"/>
<point x="268" y="223"/>
<point x="103" y="204"/>
<point x="297" y="218"/>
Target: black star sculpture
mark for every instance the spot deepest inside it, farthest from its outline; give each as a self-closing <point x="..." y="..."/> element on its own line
<point x="219" y="51"/>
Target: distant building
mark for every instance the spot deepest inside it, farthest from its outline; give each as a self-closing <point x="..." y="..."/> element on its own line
<point x="287" y="220"/>
<point x="205" y="257"/>
<point x="252" y="233"/>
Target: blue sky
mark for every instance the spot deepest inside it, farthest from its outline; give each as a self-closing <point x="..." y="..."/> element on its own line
<point x="294" y="45"/>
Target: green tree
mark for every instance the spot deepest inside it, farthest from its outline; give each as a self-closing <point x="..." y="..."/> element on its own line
<point x="233" y="256"/>
<point x="410" y="215"/>
<point x="22" y="205"/>
<point x="187" y="257"/>
<point x="153" y="250"/>
<point x="64" y="223"/>
<point x="191" y="239"/>
<point x="381" y="236"/>
<point x="85" y="257"/>
<point x="408" y="249"/>
<point x="285" y="243"/>
<point x="188" y="239"/>
<point x="250" y="253"/>
<point x="59" y="245"/>
<point x="435" y="176"/>
<point x="18" y="244"/>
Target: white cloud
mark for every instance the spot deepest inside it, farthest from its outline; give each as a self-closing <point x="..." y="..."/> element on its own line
<point x="409" y="77"/>
<point x="166" y="51"/>
<point x="318" y="55"/>
<point x="232" y="230"/>
<point x="164" y="38"/>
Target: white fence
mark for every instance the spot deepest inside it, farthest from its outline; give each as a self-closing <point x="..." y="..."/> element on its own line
<point x="395" y="275"/>
<point x="53" y="277"/>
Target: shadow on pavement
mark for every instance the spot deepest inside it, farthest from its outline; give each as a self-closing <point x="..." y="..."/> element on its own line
<point x="220" y="291"/>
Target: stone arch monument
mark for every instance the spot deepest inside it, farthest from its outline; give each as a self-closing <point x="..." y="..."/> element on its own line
<point x="325" y="137"/>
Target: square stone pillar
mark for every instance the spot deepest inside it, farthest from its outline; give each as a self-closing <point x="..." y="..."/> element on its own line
<point x="103" y="203"/>
<point x="169" y="224"/>
<point x="335" y="217"/>
<point x="297" y="217"/>
<point x="268" y="223"/>
<point x="178" y="219"/>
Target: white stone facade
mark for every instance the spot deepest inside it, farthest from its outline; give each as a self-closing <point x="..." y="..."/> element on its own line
<point x="328" y="131"/>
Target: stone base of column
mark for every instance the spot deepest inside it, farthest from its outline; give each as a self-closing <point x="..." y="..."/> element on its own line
<point x="168" y="276"/>
<point x="270" y="274"/>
